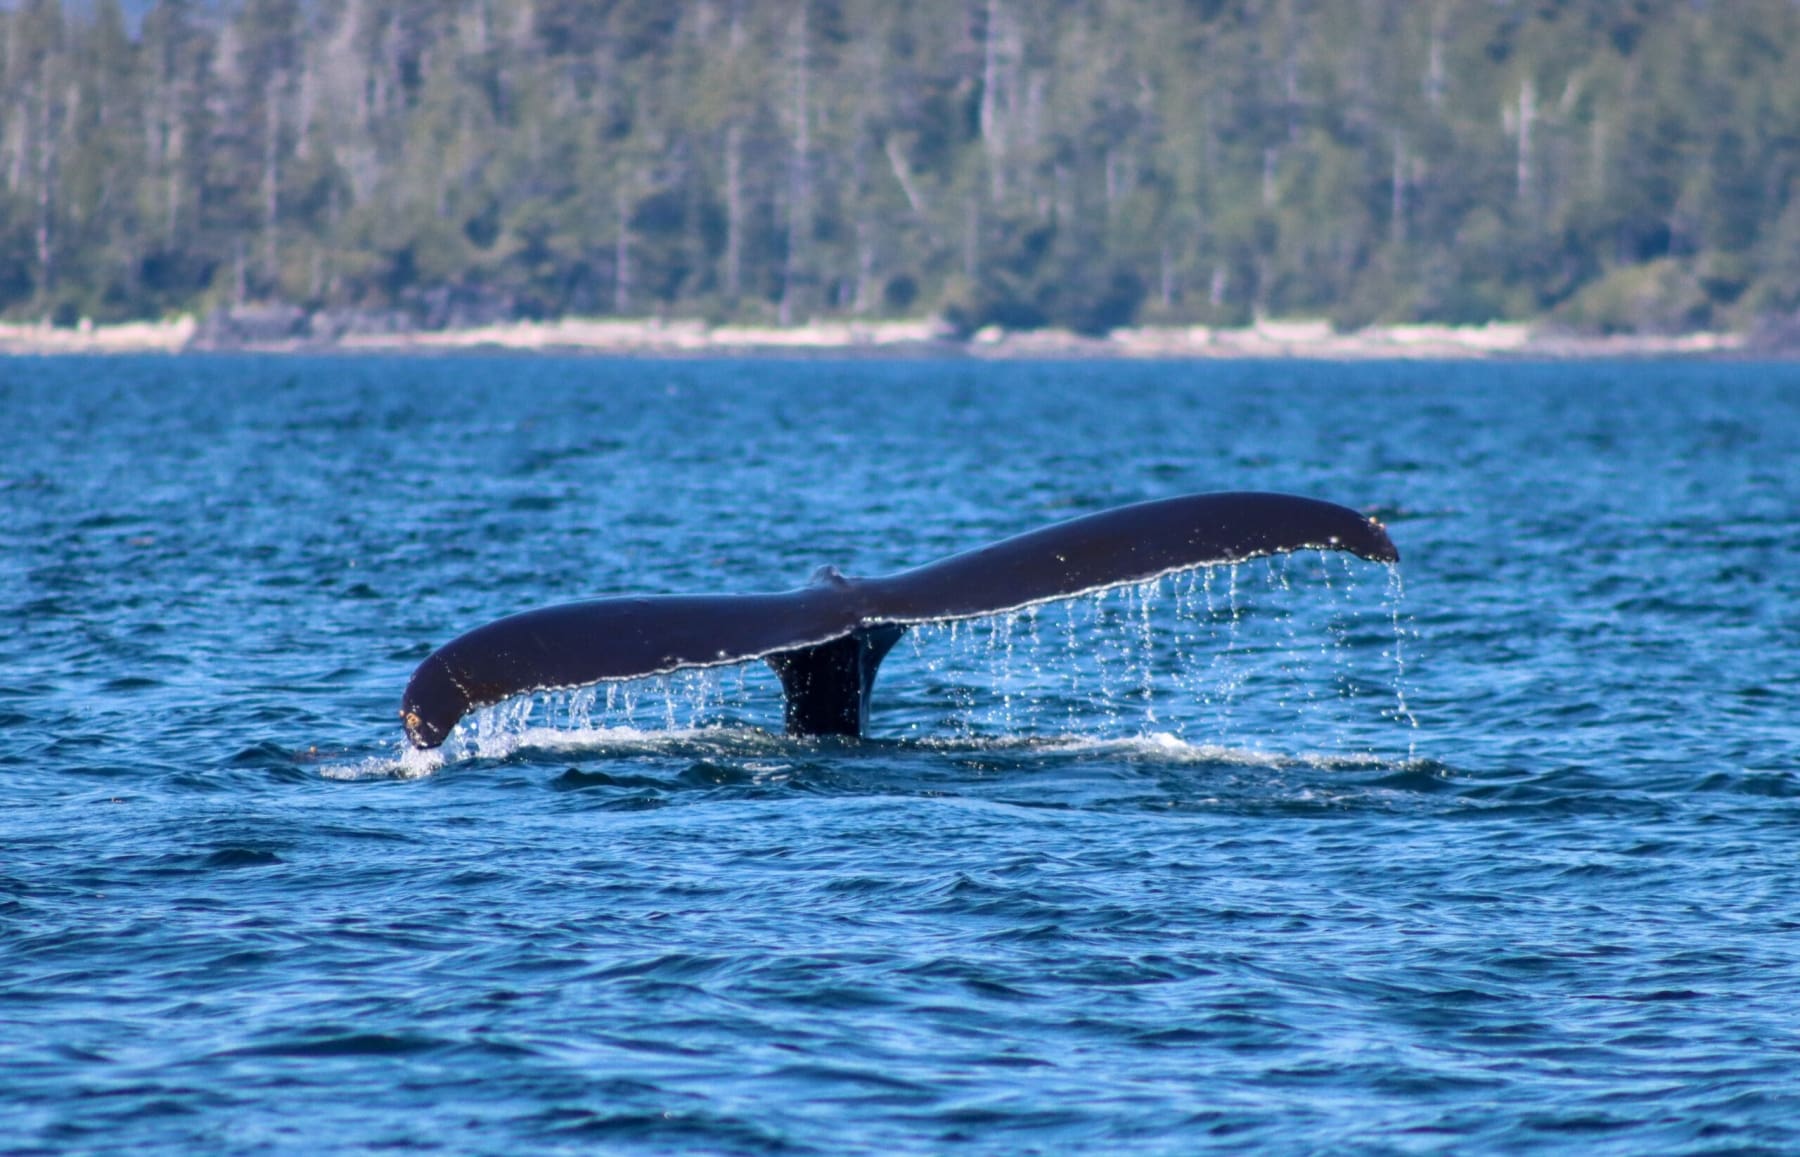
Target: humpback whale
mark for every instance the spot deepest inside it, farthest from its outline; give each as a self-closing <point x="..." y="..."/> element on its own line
<point x="825" y="640"/>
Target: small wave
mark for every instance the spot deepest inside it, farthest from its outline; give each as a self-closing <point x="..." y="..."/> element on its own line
<point x="1167" y="748"/>
<point x="341" y="1043"/>
<point x="562" y="731"/>
<point x="715" y="739"/>
<point x="1164" y="747"/>
<point x="586" y="739"/>
<point x="408" y="763"/>
<point x="738" y="741"/>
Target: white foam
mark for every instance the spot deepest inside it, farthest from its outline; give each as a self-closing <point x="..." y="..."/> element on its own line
<point x="409" y="763"/>
<point x="1162" y="747"/>
<point x="466" y="743"/>
<point x="500" y="744"/>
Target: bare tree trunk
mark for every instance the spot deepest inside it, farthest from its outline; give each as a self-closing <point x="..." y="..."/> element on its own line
<point x="1597" y="157"/>
<point x="1209" y="152"/>
<point x="167" y="139"/>
<point x="1397" y="195"/>
<point x="1290" y="73"/>
<point x="865" y="267"/>
<point x="903" y="174"/>
<point x="1113" y="183"/>
<point x="972" y="240"/>
<point x="734" y="210"/>
<point x="1434" y="59"/>
<point x="1527" y="114"/>
<point x="46" y="178"/>
<point x="272" y="184"/>
<point x="622" y="250"/>
<point x="172" y="152"/>
<point x="991" y="136"/>
<point x="334" y="214"/>
<point x="800" y="179"/>
<point x="693" y="237"/>
<point x="734" y="161"/>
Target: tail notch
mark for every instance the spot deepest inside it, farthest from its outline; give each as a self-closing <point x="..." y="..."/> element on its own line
<point x="827" y="686"/>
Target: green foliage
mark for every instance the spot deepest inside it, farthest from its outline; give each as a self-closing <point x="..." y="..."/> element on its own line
<point x="1619" y="166"/>
<point x="1663" y="296"/>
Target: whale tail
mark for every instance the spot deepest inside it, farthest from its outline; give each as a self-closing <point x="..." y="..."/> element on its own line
<point x="826" y="640"/>
<point x="826" y="687"/>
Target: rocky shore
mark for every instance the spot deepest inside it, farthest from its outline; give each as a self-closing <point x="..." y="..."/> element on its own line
<point x="288" y="329"/>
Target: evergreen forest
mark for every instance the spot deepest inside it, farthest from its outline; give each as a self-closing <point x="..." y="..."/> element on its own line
<point x="1607" y="165"/>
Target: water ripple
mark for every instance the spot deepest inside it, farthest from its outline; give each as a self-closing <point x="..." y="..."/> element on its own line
<point x="1170" y="871"/>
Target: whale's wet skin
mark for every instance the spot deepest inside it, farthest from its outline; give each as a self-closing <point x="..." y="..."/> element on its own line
<point x="1494" y="851"/>
<point x="826" y="640"/>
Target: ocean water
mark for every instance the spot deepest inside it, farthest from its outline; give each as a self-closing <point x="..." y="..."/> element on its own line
<point x="1495" y="851"/>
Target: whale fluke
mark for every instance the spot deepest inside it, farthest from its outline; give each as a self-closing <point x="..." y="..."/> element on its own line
<point x="825" y="640"/>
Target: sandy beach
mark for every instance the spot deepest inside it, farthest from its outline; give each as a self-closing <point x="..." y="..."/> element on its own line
<point x="621" y="336"/>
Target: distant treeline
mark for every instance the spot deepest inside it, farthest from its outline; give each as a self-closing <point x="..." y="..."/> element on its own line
<point x="1616" y="164"/>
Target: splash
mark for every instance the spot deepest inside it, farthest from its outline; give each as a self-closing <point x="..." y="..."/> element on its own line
<point x="404" y="762"/>
<point x="1266" y="653"/>
<point x="1160" y="748"/>
<point x="1271" y="655"/>
<point x="1403" y="627"/>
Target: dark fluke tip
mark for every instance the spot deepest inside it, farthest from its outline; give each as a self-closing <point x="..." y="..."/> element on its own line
<point x="432" y="705"/>
<point x="826" y="639"/>
<point x="1380" y="547"/>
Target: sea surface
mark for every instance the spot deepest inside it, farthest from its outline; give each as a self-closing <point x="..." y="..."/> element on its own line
<point x="1495" y="851"/>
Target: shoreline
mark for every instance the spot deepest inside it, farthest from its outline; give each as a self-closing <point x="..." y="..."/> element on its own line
<point x="1306" y="340"/>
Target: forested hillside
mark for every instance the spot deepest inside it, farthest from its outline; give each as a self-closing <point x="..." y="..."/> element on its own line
<point x="1611" y="164"/>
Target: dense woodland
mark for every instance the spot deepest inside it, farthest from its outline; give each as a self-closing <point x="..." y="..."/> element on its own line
<point x="1609" y="164"/>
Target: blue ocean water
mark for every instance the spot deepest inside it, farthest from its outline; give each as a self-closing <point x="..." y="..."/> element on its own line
<point x="1494" y="852"/>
